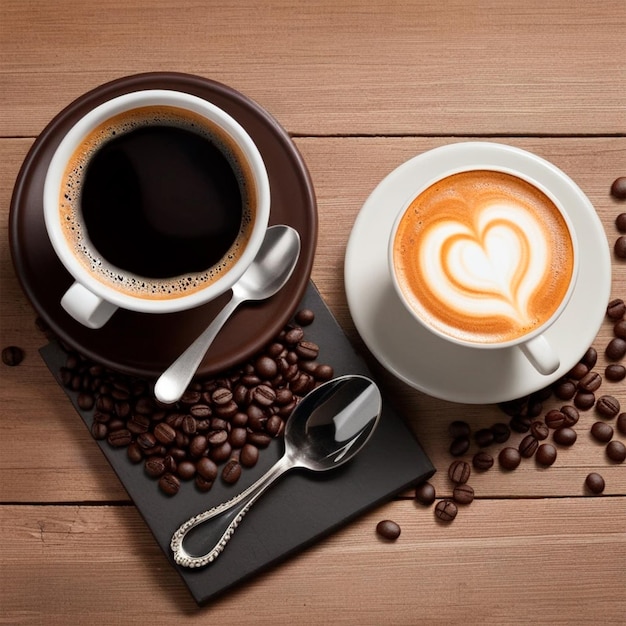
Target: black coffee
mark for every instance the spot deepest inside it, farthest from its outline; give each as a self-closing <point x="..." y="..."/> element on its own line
<point x="157" y="202"/>
<point x="161" y="201"/>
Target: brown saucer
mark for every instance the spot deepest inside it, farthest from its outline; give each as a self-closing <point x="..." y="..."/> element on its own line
<point x="143" y="344"/>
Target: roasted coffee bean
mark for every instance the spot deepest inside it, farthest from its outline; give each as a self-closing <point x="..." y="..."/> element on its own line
<point x="616" y="309"/>
<point x="520" y="424"/>
<point x="483" y="437"/>
<point x="595" y="483"/>
<point x="169" y="484"/>
<point x="618" y="188"/>
<point x="164" y="433"/>
<point x="616" y="451"/>
<point x="186" y="470"/>
<point x="274" y="426"/>
<point x="509" y="458"/>
<point x="221" y="396"/>
<point x="324" y="372"/>
<point x="260" y="440"/>
<point x="206" y="468"/>
<point x="501" y="432"/>
<point x="620" y="247"/>
<point x="302" y="384"/>
<point x="249" y="455"/>
<point x="231" y="472"/>
<point x="615" y="373"/>
<point x="459" y="428"/>
<point x="554" y="419"/>
<point x="146" y="441"/>
<point x="571" y="415"/>
<point x="198" y="446"/>
<point x="528" y="446"/>
<point x="189" y="425"/>
<point x="202" y="484"/>
<point x="578" y="371"/>
<point x="620" y="222"/>
<point x="134" y="453"/>
<point x="425" y="493"/>
<point x="546" y="454"/>
<point x="138" y="423"/>
<point x="565" y="436"/>
<point x="607" y="406"/>
<point x="590" y="382"/>
<point x="584" y="400"/>
<point x="602" y="432"/>
<point x="221" y="453"/>
<point x="564" y="389"/>
<point x="12" y="355"/>
<point x="217" y="437"/>
<point x="305" y="317"/>
<point x="463" y="494"/>
<point x="446" y="510"/>
<point x="200" y="410"/>
<point x="294" y="336"/>
<point x="459" y="472"/>
<point x="266" y="367"/>
<point x="307" y="350"/>
<point x="590" y="357"/>
<point x="482" y="461"/>
<point x="513" y="407"/>
<point x="616" y="349"/>
<point x="120" y="438"/>
<point x="539" y="430"/>
<point x="264" y="395"/>
<point x="101" y="416"/>
<point x="237" y="437"/>
<point x="155" y="466"/>
<point x="99" y="430"/>
<point x="388" y="529"/>
<point x="621" y="423"/>
<point x="619" y="329"/>
<point x="85" y="401"/>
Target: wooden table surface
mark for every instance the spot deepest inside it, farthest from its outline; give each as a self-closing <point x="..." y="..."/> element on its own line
<point x="361" y="86"/>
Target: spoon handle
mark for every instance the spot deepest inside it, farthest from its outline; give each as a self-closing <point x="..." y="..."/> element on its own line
<point x="225" y="517"/>
<point x="174" y="380"/>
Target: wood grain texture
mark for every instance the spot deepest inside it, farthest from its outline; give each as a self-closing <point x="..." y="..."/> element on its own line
<point x="362" y="86"/>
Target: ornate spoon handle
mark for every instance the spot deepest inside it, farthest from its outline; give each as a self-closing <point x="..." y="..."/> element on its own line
<point x="225" y="519"/>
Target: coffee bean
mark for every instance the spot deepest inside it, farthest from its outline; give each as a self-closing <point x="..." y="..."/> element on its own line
<point x="169" y="484"/>
<point x="155" y="466"/>
<point x="231" y="472"/>
<point x="134" y="453"/>
<point x="602" y="432"/>
<point x="482" y="461"/>
<point x="539" y="430"/>
<point x="565" y="436"/>
<point x="186" y="470"/>
<point x="616" y="451"/>
<point x="590" y="382"/>
<point x="425" y="493"/>
<point x="554" y="419"/>
<point x="590" y="357"/>
<point x="616" y="309"/>
<point x="206" y="468"/>
<point x="120" y="438"/>
<point x="388" y="529"/>
<point x="571" y="415"/>
<point x="99" y="430"/>
<point x="509" y="458"/>
<point x="621" y="423"/>
<point x="459" y="428"/>
<point x="615" y="373"/>
<point x="578" y="371"/>
<point x="620" y="222"/>
<point x="619" y="329"/>
<point x="546" y="454"/>
<point x="85" y="401"/>
<point x="293" y="336"/>
<point x="266" y="367"/>
<point x="446" y="510"/>
<point x="528" y="446"/>
<point x="565" y="389"/>
<point x="459" y="446"/>
<point x="12" y="356"/>
<point x="520" y="424"/>
<point x="607" y="406"/>
<point x="620" y="247"/>
<point x="164" y="433"/>
<point x="307" y="350"/>
<point x="249" y="455"/>
<point x="304" y="317"/>
<point x="459" y="472"/>
<point x="463" y="494"/>
<point x="616" y="349"/>
<point x="483" y="437"/>
<point x="324" y="373"/>
<point x="584" y="400"/>
<point x="501" y="432"/>
<point x="618" y="188"/>
<point x="595" y="483"/>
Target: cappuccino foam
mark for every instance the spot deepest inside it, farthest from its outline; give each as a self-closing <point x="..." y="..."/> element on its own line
<point x="483" y="256"/>
<point x="139" y="223"/>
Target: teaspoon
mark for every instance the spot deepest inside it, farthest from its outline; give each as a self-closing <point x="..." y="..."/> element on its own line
<point x="268" y="273"/>
<point x="327" y="428"/>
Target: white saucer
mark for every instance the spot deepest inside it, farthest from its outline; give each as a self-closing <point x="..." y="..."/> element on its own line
<point x="430" y="364"/>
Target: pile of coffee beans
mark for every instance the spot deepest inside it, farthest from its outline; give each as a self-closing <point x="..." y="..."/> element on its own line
<point x="219" y="425"/>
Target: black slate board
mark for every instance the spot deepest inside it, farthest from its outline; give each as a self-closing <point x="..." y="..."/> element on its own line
<point x="302" y="507"/>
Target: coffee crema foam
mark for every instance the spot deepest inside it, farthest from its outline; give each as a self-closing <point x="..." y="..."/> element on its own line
<point x="483" y="256"/>
<point x="75" y="230"/>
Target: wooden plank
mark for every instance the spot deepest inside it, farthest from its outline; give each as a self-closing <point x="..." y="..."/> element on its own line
<point x="399" y="67"/>
<point x="563" y="564"/>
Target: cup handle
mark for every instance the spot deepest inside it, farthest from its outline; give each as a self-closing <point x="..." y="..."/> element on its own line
<point x="541" y="355"/>
<point x="86" y="307"/>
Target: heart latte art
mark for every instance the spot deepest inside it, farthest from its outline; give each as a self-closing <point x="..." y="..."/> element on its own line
<point x="483" y="256"/>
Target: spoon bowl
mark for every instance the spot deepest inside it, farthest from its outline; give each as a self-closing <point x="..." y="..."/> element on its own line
<point x="327" y="428"/>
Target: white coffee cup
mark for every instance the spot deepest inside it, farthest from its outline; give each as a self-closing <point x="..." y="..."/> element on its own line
<point x="476" y="267"/>
<point x="95" y="294"/>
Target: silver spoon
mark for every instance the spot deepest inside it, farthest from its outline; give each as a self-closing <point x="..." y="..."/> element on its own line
<point x="267" y="274"/>
<point x="326" y="429"/>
